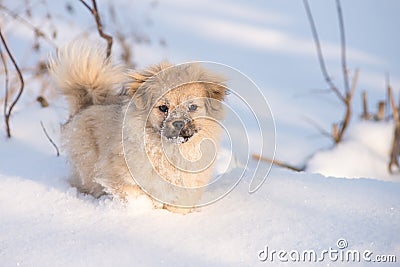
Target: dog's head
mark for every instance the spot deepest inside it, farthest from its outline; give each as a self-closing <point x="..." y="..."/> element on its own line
<point x="180" y="101"/>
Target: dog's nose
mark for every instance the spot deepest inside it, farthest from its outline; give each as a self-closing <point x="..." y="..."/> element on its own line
<point x="178" y="124"/>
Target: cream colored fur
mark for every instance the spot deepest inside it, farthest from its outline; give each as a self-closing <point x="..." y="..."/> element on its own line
<point x="93" y="133"/>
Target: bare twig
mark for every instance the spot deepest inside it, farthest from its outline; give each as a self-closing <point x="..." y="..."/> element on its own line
<point x="343" y="47"/>
<point x="398" y="104"/>
<point x="347" y="96"/>
<point x="8" y="112"/>
<point x="380" y="115"/>
<point x="49" y="138"/>
<point x="387" y="100"/>
<point x="126" y="49"/>
<point x="38" y="32"/>
<point x="365" y="115"/>
<point x="6" y="80"/>
<point x="354" y="83"/>
<point x="318" y="127"/>
<point x="395" y="151"/>
<point x="126" y="46"/>
<point x="393" y="105"/>
<point x="347" y="115"/>
<point x="279" y="163"/>
<point x="99" y="24"/>
<point x="319" y="52"/>
<point x="335" y="132"/>
<point x="317" y="92"/>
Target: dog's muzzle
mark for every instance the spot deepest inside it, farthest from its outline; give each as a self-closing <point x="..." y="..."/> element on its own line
<point x="178" y="127"/>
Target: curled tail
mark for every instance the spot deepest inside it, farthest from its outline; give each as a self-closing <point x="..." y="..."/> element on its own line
<point x="84" y="75"/>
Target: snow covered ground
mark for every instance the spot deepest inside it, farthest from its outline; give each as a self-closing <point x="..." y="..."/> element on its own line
<point x="45" y="222"/>
<point x="362" y="154"/>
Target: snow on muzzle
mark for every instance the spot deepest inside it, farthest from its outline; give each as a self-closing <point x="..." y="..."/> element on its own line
<point x="194" y="145"/>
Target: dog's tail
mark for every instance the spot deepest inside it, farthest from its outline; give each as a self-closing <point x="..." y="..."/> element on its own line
<point x="84" y="75"/>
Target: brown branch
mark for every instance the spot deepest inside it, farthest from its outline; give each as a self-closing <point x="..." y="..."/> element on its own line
<point x="380" y="115"/>
<point x="279" y="163"/>
<point x="6" y="80"/>
<point x="393" y="105"/>
<point x="8" y="112"/>
<point x="126" y="50"/>
<point x="346" y="121"/>
<point x="49" y="138"/>
<point x="395" y="150"/>
<point x="343" y="47"/>
<point x="86" y="5"/>
<point x="344" y="124"/>
<point x="320" y="54"/>
<point x="354" y="83"/>
<point x="318" y="127"/>
<point x="346" y="98"/>
<point x="387" y="100"/>
<point x="398" y="104"/>
<point x="23" y="21"/>
<point x="94" y="11"/>
<point x="365" y="115"/>
<point x="335" y="132"/>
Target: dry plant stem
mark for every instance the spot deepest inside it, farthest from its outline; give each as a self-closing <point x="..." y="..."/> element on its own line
<point x="347" y="116"/>
<point x="343" y="46"/>
<point x="49" y="138"/>
<point x="318" y="127"/>
<point x="335" y="132"/>
<point x="8" y="110"/>
<point x="279" y="163"/>
<point x="121" y="38"/>
<point x="354" y="82"/>
<point x="99" y="24"/>
<point x="127" y="52"/>
<point x="395" y="151"/>
<point x="365" y="114"/>
<point x="388" y="115"/>
<point x="346" y="98"/>
<point x="398" y="104"/>
<point x="29" y="25"/>
<point x="380" y="116"/>
<point x="6" y="80"/>
<point x="319" y="52"/>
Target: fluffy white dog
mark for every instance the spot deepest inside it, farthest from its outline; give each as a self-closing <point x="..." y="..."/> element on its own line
<point x="130" y="132"/>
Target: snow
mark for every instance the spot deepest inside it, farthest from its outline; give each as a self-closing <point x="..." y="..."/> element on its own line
<point x="45" y="222"/>
<point x="363" y="154"/>
<point x="53" y="225"/>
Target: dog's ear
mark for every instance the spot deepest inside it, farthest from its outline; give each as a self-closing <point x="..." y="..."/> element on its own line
<point x="140" y="77"/>
<point x="214" y="84"/>
<point x="142" y="88"/>
<point x="215" y="95"/>
<point x="216" y="90"/>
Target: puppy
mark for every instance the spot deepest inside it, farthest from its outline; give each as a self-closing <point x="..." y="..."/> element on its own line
<point x="151" y="132"/>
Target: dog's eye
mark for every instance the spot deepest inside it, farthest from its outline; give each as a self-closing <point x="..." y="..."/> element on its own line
<point x="163" y="108"/>
<point x="192" y="107"/>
